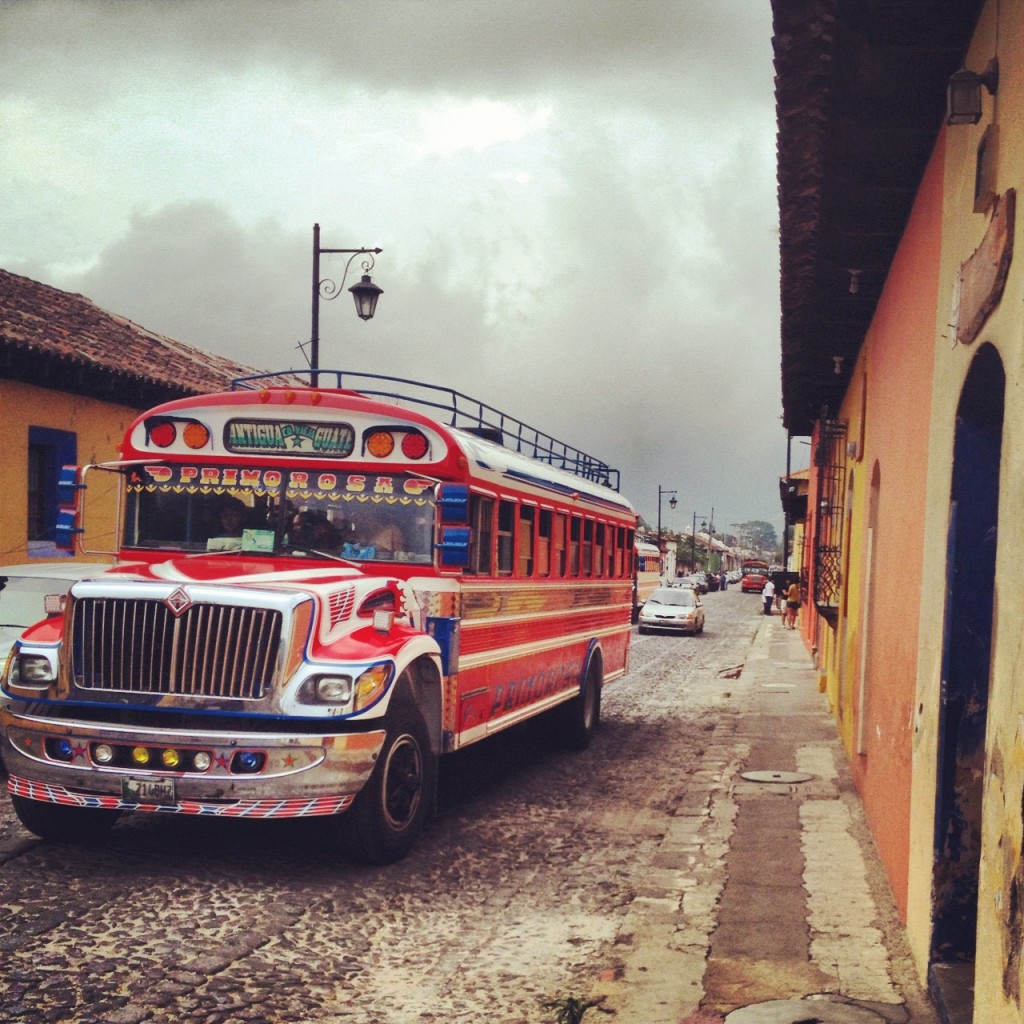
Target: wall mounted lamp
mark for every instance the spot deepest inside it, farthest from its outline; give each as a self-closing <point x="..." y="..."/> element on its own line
<point x="963" y="95"/>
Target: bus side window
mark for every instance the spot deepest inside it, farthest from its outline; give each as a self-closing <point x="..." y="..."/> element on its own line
<point x="506" y="536"/>
<point x="526" y="518"/>
<point x="544" y="542"/>
<point x="600" y="566"/>
<point x="481" y="518"/>
<point x="558" y="545"/>
<point x="620" y="552"/>
<point x="588" y="547"/>
<point x="574" y="545"/>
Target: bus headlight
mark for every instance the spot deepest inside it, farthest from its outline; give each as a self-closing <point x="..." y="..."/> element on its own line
<point x="333" y="689"/>
<point x="32" y="670"/>
<point x="346" y="692"/>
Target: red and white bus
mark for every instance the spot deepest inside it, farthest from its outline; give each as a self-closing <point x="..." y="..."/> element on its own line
<point x="755" y="575"/>
<point x="319" y="592"/>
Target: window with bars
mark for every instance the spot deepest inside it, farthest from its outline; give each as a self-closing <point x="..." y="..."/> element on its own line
<point x="830" y="459"/>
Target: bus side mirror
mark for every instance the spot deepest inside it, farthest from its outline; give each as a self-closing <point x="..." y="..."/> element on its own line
<point x="453" y="548"/>
<point x="69" y="492"/>
<point x="453" y="501"/>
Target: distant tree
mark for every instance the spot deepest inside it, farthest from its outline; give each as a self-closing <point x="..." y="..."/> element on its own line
<point x="757" y="535"/>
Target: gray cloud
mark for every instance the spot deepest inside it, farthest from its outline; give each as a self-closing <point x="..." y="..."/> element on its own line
<point x="610" y="274"/>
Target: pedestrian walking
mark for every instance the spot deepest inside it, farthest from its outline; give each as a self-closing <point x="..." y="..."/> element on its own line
<point x="768" y="596"/>
<point x="792" y="604"/>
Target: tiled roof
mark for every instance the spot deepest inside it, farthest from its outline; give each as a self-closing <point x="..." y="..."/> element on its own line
<point x="64" y="341"/>
<point x="860" y="89"/>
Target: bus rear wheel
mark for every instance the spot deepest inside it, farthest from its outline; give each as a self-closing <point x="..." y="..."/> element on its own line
<point x="582" y="715"/>
<point x="61" y="824"/>
<point x="389" y="812"/>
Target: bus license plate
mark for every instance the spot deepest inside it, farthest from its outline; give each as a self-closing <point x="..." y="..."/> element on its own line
<point x="148" y="791"/>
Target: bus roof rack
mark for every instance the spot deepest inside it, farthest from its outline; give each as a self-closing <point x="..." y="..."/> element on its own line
<point x="460" y="411"/>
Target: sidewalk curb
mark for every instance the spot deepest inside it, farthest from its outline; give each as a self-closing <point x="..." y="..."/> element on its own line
<point x="765" y="891"/>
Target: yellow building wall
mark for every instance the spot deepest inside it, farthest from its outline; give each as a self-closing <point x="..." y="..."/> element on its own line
<point x="99" y="428"/>
<point x="998" y="980"/>
<point x="840" y="647"/>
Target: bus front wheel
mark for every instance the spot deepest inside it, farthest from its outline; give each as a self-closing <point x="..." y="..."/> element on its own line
<point x="388" y="814"/>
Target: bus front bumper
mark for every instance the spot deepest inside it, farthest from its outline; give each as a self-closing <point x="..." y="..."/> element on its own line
<point x="259" y="775"/>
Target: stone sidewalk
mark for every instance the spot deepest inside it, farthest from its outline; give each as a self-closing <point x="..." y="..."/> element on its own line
<point x="766" y="903"/>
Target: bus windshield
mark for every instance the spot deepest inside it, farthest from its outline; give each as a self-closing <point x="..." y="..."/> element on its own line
<point x="361" y="518"/>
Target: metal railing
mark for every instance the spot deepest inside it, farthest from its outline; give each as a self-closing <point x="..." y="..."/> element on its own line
<point x="459" y="411"/>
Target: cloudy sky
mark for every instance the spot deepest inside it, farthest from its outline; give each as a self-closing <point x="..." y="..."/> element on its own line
<point x="575" y="200"/>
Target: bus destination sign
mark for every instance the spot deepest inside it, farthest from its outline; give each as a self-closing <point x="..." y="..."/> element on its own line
<point x="294" y="437"/>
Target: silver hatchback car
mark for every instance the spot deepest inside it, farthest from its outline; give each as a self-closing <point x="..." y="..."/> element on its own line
<point x="673" y="608"/>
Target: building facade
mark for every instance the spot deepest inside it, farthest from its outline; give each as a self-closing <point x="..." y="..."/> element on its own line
<point x="72" y="377"/>
<point x="902" y="338"/>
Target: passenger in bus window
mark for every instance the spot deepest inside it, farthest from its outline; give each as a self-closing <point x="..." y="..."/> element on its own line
<point x="313" y="530"/>
<point x="383" y="534"/>
<point x="232" y="518"/>
<point x="228" y="516"/>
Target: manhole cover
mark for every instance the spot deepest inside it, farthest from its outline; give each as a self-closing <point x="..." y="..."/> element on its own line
<point x="770" y="776"/>
<point x="802" y="1011"/>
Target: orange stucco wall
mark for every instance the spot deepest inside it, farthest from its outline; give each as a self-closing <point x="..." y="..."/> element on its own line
<point x="892" y="416"/>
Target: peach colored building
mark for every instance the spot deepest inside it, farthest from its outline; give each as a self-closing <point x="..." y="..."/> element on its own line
<point x="902" y="343"/>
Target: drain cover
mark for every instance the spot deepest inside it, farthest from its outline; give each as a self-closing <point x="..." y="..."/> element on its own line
<point x="769" y="776"/>
<point x="803" y="1011"/>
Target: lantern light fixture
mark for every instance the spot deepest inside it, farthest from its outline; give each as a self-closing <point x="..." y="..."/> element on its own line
<point x="365" y="293"/>
<point x="963" y="94"/>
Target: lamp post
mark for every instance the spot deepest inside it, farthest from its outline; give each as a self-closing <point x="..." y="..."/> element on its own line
<point x="365" y="294"/>
<point x="672" y="502"/>
<point x="693" y="538"/>
<point x="711" y="534"/>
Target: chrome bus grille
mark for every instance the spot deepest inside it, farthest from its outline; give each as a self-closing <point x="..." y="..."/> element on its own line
<point x="210" y="650"/>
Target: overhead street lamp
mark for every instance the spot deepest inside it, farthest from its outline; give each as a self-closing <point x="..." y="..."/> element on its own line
<point x="672" y="502"/>
<point x="365" y="294"/>
<point x="711" y="535"/>
<point x="693" y="537"/>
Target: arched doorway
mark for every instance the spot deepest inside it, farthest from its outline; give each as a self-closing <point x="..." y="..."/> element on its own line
<point x="966" y="655"/>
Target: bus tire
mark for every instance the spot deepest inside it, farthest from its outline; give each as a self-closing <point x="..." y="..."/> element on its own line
<point x="582" y="715"/>
<point x="60" y="824"/>
<point x="389" y="812"/>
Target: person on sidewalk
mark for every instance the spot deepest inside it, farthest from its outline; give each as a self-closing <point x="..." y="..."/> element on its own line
<point x="792" y="604"/>
<point x="768" y="596"/>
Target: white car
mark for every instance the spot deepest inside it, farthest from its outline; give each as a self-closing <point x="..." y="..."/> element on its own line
<point x="673" y="608"/>
<point x="24" y="590"/>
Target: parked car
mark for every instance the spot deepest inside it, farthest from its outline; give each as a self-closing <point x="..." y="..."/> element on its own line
<point x="673" y="608"/>
<point x="28" y="593"/>
<point x="699" y="581"/>
<point x="24" y="590"/>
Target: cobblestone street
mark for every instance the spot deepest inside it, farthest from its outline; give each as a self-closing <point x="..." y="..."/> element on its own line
<point x="538" y="881"/>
